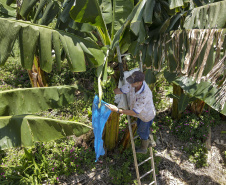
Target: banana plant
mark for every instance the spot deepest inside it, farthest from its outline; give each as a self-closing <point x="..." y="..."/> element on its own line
<point x="19" y="126"/>
<point x="107" y="17"/>
<point x="17" y="105"/>
<point x="195" y="53"/>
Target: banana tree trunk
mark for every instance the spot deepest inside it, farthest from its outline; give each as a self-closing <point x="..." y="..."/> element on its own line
<point x="177" y="90"/>
<point x="36" y="75"/>
<point x="125" y="142"/>
<point x="197" y="107"/>
<point x="111" y="131"/>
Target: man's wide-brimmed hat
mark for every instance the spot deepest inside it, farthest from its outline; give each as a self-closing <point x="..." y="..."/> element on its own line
<point x="137" y="76"/>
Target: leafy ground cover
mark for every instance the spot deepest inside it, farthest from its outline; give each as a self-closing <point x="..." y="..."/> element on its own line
<point x="57" y="161"/>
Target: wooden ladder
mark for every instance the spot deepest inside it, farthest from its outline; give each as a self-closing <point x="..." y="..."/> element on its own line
<point x="136" y="164"/>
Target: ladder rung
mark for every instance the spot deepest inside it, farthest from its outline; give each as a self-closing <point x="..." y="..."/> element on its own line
<point x="136" y="137"/>
<point x="146" y="173"/>
<point x="152" y="182"/>
<point x="144" y="161"/>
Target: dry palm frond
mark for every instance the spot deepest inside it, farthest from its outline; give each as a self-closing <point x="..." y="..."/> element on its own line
<point x="221" y="95"/>
<point x="217" y="70"/>
<point x="197" y="55"/>
<point x="177" y="50"/>
<point x="204" y="35"/>
<point x="209" y="44"/>
<point x="192" y="36"/>
<point x="160" y="54"/>
<point x="220" y="41"/>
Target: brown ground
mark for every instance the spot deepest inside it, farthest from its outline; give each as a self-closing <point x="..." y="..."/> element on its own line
<point x="174" y="168"/>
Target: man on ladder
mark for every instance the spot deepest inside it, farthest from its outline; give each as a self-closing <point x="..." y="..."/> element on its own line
<point x="141" y="106"/>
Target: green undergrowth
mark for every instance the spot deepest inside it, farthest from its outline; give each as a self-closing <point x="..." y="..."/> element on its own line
<point x="78" y="111"/>
<point x="12" y="75"/>
<point x="45" y="162"/>
<point x="121" y="166"/>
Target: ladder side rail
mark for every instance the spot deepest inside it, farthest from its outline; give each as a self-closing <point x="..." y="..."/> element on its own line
<point x="129" y="125"/>
<point x="153" y="164"/>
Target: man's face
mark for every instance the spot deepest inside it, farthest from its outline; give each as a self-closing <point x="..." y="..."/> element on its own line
<point x="136" y="84"/>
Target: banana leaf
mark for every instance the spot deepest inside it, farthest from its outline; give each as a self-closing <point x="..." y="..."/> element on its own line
<point x="211" y="95"/>
<point x="106" y="10"/>
<point x="150" y="77"/>
<point x="39" y="9"/>
<point x="65" y="16"/>
<point x="32" y="100"/>
<point x="88" y="11"/>
<point x="137" y="20"/>
<point x="27" y="6"/>
<point x="32" y="36"/>
<point x="9" y="2"/>
<point x="148" y="11"/>
<point x="183" y="102"/>
<point x="99" y="15"/>
<point x="121" y="10"/>
<point x="25" y="130"/>
<point x="52" y="9"/>
<point x="207" y="16"/>
<point x="6" y="11"/>
<point x="175" y="3"/>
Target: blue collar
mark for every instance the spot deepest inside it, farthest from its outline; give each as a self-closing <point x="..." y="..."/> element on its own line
<point x="141" y="89"/>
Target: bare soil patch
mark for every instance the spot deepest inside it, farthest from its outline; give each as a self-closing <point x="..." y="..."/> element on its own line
<point x="175" y="167"/>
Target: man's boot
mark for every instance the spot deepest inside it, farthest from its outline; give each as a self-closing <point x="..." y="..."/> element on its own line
<point x="152" y="142"/>
<point x="143" y="148"/>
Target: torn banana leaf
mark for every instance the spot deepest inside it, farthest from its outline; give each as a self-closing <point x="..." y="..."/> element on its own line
<point x="25" y="130"/>
<point x="32" y="100"/>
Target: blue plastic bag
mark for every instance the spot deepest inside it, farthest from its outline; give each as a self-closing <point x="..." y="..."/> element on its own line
<point x="99" y="118"/>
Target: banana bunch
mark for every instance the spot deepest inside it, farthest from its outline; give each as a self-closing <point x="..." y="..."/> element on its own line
<point x="108" y="87"/>
<point x="108" y="90"/>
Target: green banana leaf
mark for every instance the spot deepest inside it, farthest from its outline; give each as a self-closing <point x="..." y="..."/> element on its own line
<point x="51" y="10"/>
<point x="99" y="15"/>
<point x="39" y="9"/>
<point x="121" y="10"/>
<point x="9" y="2"/>
<point x="148" y="11"/>
<point x="183" y="102"/>
<point x="6" y="11"/>
<point x="137" y="21"/>
<point x="32" y="100"/>
<point x="207" y="16"/>
<point x="32" y="36"/>
<point x="175" y="3"/>
<point x="119" y="33"/>
<point x="150" y="76"/>
<point x="65" y="13"/>
<point x="27" y="6"/>
<point x="25" y="130"/>
<point x="205" y="91"/>
<point x="88" y="11"/>
<point x="106" y="10"/>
